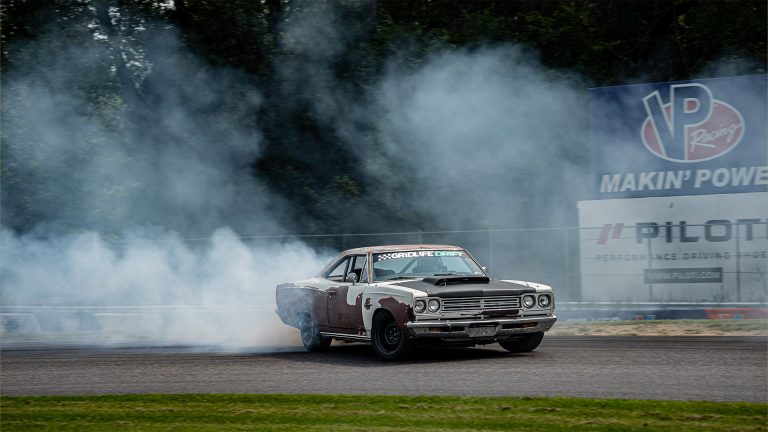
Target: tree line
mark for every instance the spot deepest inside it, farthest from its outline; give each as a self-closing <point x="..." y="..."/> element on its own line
<point x="608" y="42"/>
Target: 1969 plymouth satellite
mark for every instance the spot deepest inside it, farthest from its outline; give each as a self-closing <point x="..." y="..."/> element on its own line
<point x="397" y="296"/>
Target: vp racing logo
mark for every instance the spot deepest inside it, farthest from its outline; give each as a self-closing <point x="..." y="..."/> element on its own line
<point x="692" y="127"/>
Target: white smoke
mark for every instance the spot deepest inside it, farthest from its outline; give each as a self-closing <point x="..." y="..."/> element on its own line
<point x="154" y="287"/>
<point x="466" y="139"/>
<point x="142" y="208"/>
<point x="491" y="136"/>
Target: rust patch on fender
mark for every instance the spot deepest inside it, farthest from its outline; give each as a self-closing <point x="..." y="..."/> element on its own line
<point x="400" y="311"/>
<point x="367" y="304"/>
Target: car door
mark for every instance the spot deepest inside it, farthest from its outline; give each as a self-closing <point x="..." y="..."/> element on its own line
<point x="345" y="300"/>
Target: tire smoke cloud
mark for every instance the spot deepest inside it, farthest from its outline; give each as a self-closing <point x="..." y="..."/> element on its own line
<point x="153" y="288"/>
<point x="138" y="201"/>
<point x="128" y="181"/>
<point x="490" y="134"/>
<point x="472" y="138"/>
<point x="109" y="192"/>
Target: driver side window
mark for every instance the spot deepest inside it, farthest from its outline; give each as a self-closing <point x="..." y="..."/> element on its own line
<point x="338" y="272"/>
<point x="360" y="268"/>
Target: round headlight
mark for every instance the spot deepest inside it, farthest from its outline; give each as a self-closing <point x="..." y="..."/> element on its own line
<point x="528" y="302"/>
<point x="433" y="305"/>
<point x="420" y="306"/>
<point x="544" y="301"/>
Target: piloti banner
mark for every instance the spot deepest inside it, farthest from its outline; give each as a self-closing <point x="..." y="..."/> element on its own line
<point x="695" y="248"/>
<point x="680" y="138"/>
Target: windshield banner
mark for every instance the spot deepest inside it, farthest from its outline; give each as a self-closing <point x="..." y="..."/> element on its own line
<point x="416" y="254"/>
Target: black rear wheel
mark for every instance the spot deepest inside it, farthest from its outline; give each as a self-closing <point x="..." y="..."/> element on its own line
<point x="523" y="343"/>
<point x="389" y="341"/>
<point x="310" y="335"/>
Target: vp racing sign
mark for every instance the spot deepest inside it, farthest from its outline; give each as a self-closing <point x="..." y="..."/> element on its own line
<point x="692" y="127"/>
<point x="685" y="138"/>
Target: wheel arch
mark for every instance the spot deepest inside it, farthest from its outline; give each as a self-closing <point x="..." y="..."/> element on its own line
<point x="390" y="341"/>
<point x="379" y="311"/>
<point x="400" y="310"/>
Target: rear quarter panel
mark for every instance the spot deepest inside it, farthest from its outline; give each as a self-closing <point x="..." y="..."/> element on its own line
<point x="307" y="296"/>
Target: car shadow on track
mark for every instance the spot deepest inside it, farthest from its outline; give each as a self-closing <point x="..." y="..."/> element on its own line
<point x="359" y="354"/>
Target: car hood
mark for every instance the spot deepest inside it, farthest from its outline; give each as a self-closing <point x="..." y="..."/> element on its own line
<point x="463" y="286"/>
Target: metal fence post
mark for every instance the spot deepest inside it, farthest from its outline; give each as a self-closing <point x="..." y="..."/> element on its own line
<point x="490" y="248"/>
<point x="567" y="257"/>
<point x="738" y="265"/>
<point x="650" y="266"/>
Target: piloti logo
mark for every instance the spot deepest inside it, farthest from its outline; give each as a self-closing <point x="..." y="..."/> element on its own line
<point x="692" y="127"/>
<point x="714" y="230"/>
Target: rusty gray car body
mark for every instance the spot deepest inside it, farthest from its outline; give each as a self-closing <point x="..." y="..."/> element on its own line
<point x="473" y="308"/>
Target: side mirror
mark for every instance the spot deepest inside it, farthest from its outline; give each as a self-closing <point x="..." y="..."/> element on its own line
<point x="351" y="278"/>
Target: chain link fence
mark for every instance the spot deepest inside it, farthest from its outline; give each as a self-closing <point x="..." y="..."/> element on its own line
<point x="597" y="273"/>
<point x="584" y="263"/>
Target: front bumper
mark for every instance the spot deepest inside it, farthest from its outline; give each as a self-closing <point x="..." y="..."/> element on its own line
<point x="479" y="328"/>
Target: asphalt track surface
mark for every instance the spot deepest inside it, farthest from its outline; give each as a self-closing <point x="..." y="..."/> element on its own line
<point x="679" y="368"/>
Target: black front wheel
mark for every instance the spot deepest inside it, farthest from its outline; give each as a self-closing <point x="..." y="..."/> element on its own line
<point x="310" y="335"/>
<point x="523" y="343"/>
<point x="389" y="341"/>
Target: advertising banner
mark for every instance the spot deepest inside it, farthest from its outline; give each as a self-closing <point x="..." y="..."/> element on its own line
<point x="701" y="248"/>
<point x="682" y="138"/>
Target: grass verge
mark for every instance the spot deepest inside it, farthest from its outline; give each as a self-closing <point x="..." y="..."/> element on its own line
<point x="370" y="413"/>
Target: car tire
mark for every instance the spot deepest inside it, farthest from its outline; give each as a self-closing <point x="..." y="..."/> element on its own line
<point x="310" y="335"/>
<point x="523" y="343"/>
<point x="389" y="341"/>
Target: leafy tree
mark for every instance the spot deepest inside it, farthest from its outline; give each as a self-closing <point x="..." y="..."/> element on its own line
<point x="303" y="153"/>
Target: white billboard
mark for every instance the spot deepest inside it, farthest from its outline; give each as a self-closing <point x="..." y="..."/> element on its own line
<point x="702" y="248"/>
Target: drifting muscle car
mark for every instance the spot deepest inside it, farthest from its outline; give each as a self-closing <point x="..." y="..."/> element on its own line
<point x="398" y="296"/>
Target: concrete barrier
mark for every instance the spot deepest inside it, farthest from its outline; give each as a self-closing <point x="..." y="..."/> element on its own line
<point x="166" y="323"/>
<point x="601" y="311"/>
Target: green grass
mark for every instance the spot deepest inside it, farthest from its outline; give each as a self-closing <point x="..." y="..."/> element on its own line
<point x="370" y="413"/>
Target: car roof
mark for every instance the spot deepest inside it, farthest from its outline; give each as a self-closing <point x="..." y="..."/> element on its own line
<point x="397" y="248"/>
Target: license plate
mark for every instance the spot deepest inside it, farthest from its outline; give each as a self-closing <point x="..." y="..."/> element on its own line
<point x="482" y="331"/>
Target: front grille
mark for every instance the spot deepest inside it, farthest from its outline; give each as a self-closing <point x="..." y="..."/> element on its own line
<point x="480" y="304"/>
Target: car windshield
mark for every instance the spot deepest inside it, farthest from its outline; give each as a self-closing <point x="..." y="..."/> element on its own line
<point x="423" y="263"/>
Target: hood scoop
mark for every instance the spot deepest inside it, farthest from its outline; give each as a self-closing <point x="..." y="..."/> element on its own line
<point x="466" y="286"/>
<point x="456" y="279"/>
